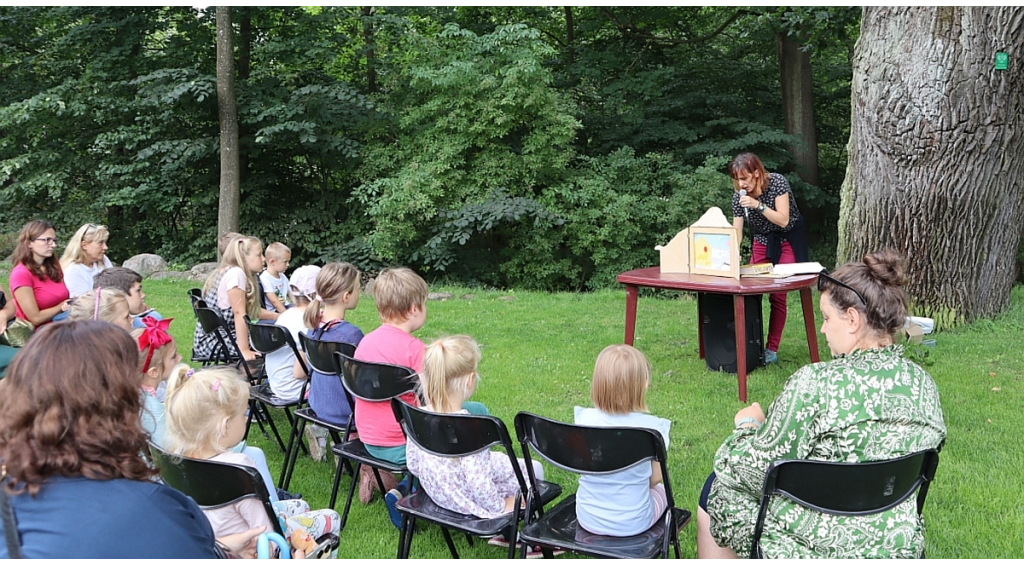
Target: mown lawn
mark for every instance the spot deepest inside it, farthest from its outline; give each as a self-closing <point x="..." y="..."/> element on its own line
<point x="539" y="351"/>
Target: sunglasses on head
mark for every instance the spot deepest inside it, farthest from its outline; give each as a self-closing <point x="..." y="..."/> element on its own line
<point x="824" y="279"/>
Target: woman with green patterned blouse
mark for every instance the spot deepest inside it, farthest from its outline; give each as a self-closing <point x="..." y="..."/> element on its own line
<point x="868" y="403"/>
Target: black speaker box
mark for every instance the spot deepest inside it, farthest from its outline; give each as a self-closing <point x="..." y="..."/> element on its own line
<point x="719" y="328"/>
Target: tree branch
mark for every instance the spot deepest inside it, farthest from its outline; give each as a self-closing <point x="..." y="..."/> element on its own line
<point x="631" y="29"/>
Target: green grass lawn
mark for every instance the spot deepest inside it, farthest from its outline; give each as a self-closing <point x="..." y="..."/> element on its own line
<point x="538" y="354"/>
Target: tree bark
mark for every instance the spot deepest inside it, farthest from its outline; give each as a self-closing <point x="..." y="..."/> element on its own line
<point x="936" y="154"/>
<point x="368" y="39"/>
<point x="230" y="181"/>
<point x="798" y="105"/>
<point x="570" y="49"/>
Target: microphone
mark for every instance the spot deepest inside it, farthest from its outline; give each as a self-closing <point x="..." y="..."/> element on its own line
<point x="746" y="211"/>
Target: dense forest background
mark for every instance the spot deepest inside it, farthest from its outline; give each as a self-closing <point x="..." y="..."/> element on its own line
<point x="532" y="147"/>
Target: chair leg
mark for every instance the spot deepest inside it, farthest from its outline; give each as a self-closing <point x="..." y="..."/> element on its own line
<point x="411" y="529"/>
<point x="291" y="424"/>
<point x="451" y="544"/>
<point x="469" y="539"/>
<point x="351" y="493"/>
<point x="248" y="423"/>
<point x="273" y="427"/>
<point x="289" y="461"/>
<point x="380" y="481"/>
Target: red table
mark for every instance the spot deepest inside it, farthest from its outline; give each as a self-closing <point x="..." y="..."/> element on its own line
<point x="653" y="278"/>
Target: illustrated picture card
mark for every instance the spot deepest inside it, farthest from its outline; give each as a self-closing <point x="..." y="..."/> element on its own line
<point x="714" y="251"/>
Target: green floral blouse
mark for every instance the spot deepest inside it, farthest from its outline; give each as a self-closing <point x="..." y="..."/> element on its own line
<point x="867" y="405"/>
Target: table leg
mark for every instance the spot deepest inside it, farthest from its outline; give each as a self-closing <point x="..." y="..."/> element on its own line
<point x="631" y="291"/>
<point x="700" y="323"/>
<point x="739" y="313"/>
<point x="809" y="325"/>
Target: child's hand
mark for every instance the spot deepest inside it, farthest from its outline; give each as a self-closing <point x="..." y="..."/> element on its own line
<point x="250" y="355"/>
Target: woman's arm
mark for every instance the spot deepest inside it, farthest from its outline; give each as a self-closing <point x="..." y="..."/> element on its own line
<point x="236" y="297"/>
<point x="27" y="300"/>
<point x="780" y="215"/>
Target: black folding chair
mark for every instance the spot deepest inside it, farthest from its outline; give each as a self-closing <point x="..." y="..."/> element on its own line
<point x="226" y="352"/>
<point x="846" y="488"/>
<point x="321" y="357"/>
<point x="267" y="339"/>
<point x="454" y="436"/>
<point x="595" y="450"/>
<point x="213" y="484"/>
<point x="195" y="295"/>
<point x="372" y="382"/>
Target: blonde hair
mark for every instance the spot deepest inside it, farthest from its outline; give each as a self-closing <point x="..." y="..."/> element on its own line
<point x="449" y="366"/>
<point x="85" y="306"/>
<point x="277" y="251"/>
<point x="396" y="291"/>
<point x="196" y="405"/>
<point x="332" y="283"/>
<point x="73" y="253"/>
<point x="158" y="354"/>
<point x="621" y="376"/>
<point x="234" y="255"/>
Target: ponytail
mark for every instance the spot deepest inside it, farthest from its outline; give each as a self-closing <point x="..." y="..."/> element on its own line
<point x="313" y="314"/>
<point x="449" y="364"/>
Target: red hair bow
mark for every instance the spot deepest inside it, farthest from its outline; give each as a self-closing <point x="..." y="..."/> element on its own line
<point x="154" y="336"/>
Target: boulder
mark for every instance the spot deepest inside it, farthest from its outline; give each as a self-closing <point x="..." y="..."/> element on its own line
<point x="146" y="264"/>
<point x="439" y="296"/>
<point x="368" y="287"/>
<point x="170" y="275"/>
<point x="201" y="271"/>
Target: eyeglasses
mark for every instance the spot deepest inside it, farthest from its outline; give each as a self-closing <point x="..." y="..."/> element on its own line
<point x="48" y="240"/>
<point x="824" y="278"/>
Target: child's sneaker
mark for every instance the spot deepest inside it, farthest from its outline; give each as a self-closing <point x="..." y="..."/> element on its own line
<point x="390" y="499"/>
<point x="367" y="484"/>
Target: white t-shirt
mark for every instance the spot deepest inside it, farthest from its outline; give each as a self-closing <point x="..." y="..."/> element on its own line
<point x="234" y="277"/>
<point x="280" y="362"/>
<point x="78" y="277"/>
<point x="277" y="286"/>
<point x="618" y="504"/>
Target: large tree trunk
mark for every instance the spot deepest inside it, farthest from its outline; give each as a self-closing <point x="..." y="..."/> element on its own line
<point x="798" y="105"/>
<point x="230" y="181"/>
<point x="936" y="153"/>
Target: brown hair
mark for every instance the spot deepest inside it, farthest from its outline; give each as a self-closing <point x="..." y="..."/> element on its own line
<point x="621" y="376"/>
<point x="50" y="268"/>
<point x="449" y="365"/>
<point x="750" y="164"/>
<point x="277" y="251"/>
<point x="880" y="278"/>
<point x="73" y="414"/>
<point x="116" y="277"/>
<point x="396" y="291"/>
<point x="222" y="242"/>
<point x="332" y="283"/>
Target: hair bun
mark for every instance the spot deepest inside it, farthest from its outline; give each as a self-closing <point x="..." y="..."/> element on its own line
<point x="887" y="267"/>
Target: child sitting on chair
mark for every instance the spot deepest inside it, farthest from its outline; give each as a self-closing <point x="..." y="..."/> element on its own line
<point x="206" y="417"/>
<point x="284" y="371"/>
<point x="104" y="304"/>
<point x="628" y="502"/>
<point x="129" y="282"/>
<point x="273" y="280"/>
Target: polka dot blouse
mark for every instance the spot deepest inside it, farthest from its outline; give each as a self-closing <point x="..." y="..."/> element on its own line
<point x="777" y="186"/>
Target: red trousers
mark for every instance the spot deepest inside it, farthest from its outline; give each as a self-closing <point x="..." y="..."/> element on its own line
<point x="777" y="318"/>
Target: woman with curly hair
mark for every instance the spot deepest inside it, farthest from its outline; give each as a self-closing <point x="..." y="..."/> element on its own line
<point x="71" y="444"/>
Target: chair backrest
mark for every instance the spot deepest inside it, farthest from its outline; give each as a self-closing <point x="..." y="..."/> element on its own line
<point x="266" y="338"/>
<point x="588" y="450"/>
<point x="372" y="381"/>
<point x="212" y="484"/>
<point x="195" y="294"/>
<point x="847" y="488"/>
<point x="321" y="353"/>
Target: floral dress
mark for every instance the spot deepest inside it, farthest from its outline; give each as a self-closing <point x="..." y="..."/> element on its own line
<point x="867" y="405"/>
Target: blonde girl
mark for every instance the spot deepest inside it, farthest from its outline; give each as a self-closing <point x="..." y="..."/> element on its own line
<point x="158" y="359"/>
<point x="206" y="416"/>
<point x="102" y="304"/>
<point x="337" y="292"/>
<point x="84" y="257"/>
<point x="624" y="503"/>
<point x="233" y="292"/>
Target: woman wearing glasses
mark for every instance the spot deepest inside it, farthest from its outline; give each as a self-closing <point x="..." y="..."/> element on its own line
<point x="868" y="403"/>
<point x="84" y="257"/>
<point x="37" y="281"/>
<point x="766" y="202"/>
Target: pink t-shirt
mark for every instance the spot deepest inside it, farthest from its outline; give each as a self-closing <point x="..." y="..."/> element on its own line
<point x="47" y="292"/>
<point x="234" y="277"/>
<point x="375" y="420"/>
